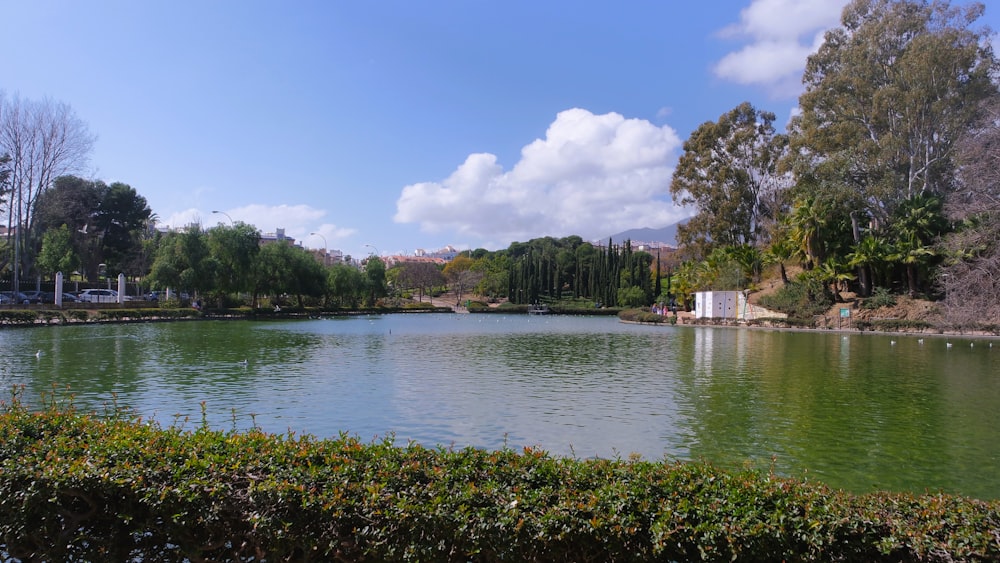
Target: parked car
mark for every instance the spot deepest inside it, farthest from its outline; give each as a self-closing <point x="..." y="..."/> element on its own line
<point x="34" y="296"/>
<point x="14" y="297"/>
<point x="49" y="297"/>
<point x="99" y="296"/>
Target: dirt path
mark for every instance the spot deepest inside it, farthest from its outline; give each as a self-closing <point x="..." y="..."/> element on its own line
<point x="448" y="300"/>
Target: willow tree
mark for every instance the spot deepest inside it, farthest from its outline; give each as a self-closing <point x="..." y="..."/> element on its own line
<point x="886" y="97"/>
<point x="236" y="249"/>
<point x="728" y="173"/>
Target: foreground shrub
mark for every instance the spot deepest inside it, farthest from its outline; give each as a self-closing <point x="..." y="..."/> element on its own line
<point x="77" y="487"/>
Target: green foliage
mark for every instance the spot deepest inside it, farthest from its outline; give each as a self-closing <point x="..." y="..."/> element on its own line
<point x="17" y="317"/>
<point x="57" y="253"/>
<point x="725" y="172"/>
<point x="644" y="316"/>
<point x="803" y="298"/>
<point x="122" y="218"/>
<point x="880" y="298"/>
<point x="631" y="296"/>
<point x="83" y="487"/>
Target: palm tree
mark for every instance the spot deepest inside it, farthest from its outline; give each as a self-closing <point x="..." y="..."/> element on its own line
<point x="750" y="259"/>
<point x="807" y="221"/>
<point x="919" y="220"/>
<point x="834" y="273"/>
<point x="869" y="256"/>
<point x="782" y="248"/>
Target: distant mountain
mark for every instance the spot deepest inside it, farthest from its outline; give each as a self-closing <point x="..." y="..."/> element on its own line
<point x="666" y="235"/>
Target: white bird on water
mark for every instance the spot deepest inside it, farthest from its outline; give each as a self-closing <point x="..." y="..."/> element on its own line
<point x="920" y="341"/>
<point x="243" y="362"/>
<point x="948" y="345"/>
<point x="38" y="354"/>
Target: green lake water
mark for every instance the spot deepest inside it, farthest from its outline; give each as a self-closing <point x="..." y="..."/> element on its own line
<point x="859" y="412"/>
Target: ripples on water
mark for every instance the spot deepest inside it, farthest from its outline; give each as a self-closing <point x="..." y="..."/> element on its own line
<point x="852" y="411"/>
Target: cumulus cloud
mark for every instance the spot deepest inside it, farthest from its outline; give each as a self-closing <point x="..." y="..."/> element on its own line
<point x="781" y="34"/>
<point x="592" y="176"/>
<point x="294" y="219"/>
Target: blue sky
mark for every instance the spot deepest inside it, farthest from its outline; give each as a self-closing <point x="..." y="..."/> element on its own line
<point x="400" y="125"/>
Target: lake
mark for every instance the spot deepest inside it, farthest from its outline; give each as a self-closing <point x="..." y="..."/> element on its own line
<point x="855" y="411"/>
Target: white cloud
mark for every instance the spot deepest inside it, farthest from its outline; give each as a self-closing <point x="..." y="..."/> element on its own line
<point x="592" y="176"/>
<point x="294" y="219"/>
<point x="781" y="34"/>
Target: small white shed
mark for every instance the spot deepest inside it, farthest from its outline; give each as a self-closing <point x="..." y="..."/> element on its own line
<point x="719" y="304"/>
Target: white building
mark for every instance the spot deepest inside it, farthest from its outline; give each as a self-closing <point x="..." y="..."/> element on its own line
<point x="718" y="304"/>
<point x="729" y="305"/>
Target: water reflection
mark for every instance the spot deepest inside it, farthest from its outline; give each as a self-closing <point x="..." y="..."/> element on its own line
<point x="856" y="411"/>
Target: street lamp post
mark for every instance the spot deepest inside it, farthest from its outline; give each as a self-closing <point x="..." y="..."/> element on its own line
<point x="326" y="251"/>
<point x="227" y="216"/>
<point x="377" y="253"/>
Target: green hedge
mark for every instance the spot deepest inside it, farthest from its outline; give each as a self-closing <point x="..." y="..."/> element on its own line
<point x="644" y="316"/>
<point x="81" y="487"/>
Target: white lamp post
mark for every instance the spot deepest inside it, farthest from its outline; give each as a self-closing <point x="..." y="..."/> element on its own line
<point x="326" y="251"/>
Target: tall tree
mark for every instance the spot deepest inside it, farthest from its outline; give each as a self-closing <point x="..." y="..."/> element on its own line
<point x="44" y="140"/>
<point x="374" y="280"/>
<point x="419" y="275"/>
<point x="236" y="249"/>
<point x="122" y="218"/>
<point x="4" y="178"/>
<point x="346" y="284"/>
<point x="73" y="201"/>
<point x="460" y="273"/>
<point x="887" y="95"/>
<point x="728" y="172"/>
<point x="183" y="262"/>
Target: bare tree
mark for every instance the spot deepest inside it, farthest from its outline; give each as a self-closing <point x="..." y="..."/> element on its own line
<point x="971" y="279"/>
<point x="45" y="140"/>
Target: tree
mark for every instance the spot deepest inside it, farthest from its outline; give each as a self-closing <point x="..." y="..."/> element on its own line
<point x="419" y="275"/>
<point x="970" y="276"/>
<point x="918" y="223"/>
<point x="374" y="280"/>
<point x="236" y="249"/>
<point x="73" y="201"/>
<point x="58" y="254"/>
<point x="870" y="256"/>
<point x="887" y="95"/>
<point x="285" y="269"/>
<point x="459" y="271"/>
<point x="122" y="218"/>
<point x="44" y="140"/>
<point x="183" y="262"/>
<point x="728" y="172"/>
<point x="346" y="284"/>
<point x="496" y="270"/>
<point x="4" y="178"/>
